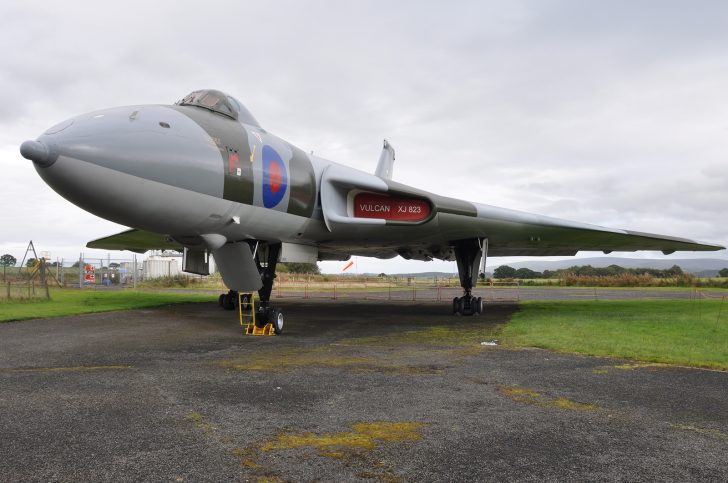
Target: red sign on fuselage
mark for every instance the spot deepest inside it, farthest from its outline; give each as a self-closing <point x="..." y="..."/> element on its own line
<point x="370" y="205"/>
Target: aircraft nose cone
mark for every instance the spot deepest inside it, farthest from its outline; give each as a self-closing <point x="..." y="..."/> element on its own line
<point x="37" y="152"/>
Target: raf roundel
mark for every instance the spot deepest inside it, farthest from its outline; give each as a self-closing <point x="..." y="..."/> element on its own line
<point x="275" y="177"/>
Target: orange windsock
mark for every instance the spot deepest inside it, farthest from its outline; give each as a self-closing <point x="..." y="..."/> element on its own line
<point x="348" y="265"/>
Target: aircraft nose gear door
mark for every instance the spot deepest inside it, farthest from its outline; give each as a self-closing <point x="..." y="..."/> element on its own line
<point x="468" y="254"/>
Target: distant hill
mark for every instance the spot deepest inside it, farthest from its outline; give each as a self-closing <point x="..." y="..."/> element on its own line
<point x="706" y="273"/>
<point x="704" y="267"/>
<point x="701" y="267"/>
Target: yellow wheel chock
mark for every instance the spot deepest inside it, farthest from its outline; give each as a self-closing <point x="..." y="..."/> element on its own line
<point x="246" y="308"/>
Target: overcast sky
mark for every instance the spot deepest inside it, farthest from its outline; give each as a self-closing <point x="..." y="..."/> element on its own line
<point x="612" y="113"/>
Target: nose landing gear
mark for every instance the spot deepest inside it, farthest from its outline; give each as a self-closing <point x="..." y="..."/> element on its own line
<point x="264" y="313"/>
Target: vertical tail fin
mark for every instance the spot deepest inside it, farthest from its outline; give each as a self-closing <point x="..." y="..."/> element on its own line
<point x="386" y="162"/>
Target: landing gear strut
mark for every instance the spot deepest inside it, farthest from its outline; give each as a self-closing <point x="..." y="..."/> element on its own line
<point x="468" y="254"/>
<point x="266" y="261"/>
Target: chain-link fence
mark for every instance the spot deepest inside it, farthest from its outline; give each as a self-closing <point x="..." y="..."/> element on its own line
<point x="105" y="272"/>
<point x="24" y="290"/>
<point x="392" y="288"/>
<point x="82" y="272"/>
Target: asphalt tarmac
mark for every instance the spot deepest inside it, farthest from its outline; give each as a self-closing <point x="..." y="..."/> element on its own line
<point x="352" y="391"/>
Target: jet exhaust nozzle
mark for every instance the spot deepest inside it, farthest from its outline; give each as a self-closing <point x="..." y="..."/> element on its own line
<point x="37" y="152"/>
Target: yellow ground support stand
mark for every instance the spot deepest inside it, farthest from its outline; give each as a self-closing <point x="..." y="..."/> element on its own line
<point x="247" y="316"/>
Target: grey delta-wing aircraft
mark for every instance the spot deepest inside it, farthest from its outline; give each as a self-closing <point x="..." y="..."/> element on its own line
<point x="203" y="177"/>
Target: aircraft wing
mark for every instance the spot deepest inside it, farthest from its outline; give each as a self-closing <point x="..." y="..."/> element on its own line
<point x="515" y="233"/>
<point x="138" y="241"/>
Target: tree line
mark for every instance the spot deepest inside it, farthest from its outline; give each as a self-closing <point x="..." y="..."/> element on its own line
<point x="504" y="271"/>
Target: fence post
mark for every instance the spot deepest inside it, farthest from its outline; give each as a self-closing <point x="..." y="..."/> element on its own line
<point x="8" y="290"/>
<point x="334" y="290"/>
<point x="720" y="311"/>
<point x="80" y="271"/>
<point x="700" y="308"/>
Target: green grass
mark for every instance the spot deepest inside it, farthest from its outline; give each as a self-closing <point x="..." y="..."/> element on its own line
<point x="72" y="302"/>
<point x="600" y="288"/>
<point x="681" y="332"/>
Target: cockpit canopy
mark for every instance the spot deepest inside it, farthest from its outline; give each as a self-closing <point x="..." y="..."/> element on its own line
<point x="219" y="102"/>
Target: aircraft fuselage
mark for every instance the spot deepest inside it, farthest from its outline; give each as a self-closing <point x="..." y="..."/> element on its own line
<point x="185" y="171"/>
<point x="199" y="169"/>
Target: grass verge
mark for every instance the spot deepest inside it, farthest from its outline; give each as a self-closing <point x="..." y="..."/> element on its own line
<point x="73" y="302"/>
<point x="680" y="332"/>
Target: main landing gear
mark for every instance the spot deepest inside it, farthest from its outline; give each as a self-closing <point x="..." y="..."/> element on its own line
<point x="468" y="254"/>
<point x="267" y="268"/>
<point x="264" y="313"/>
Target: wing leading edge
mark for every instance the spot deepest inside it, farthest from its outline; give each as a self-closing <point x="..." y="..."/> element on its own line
<point x="138" y="241"/>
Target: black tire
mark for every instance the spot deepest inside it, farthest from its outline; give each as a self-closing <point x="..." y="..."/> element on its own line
<point x="461" y="306"/>
<point x="276" y="318"/>
<point x="455" y="305"/>
<point x="228" y="302"/>
<point x="262" y="316"/>
<point x="478" y="305"/>
<point x="221" y="299"/>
